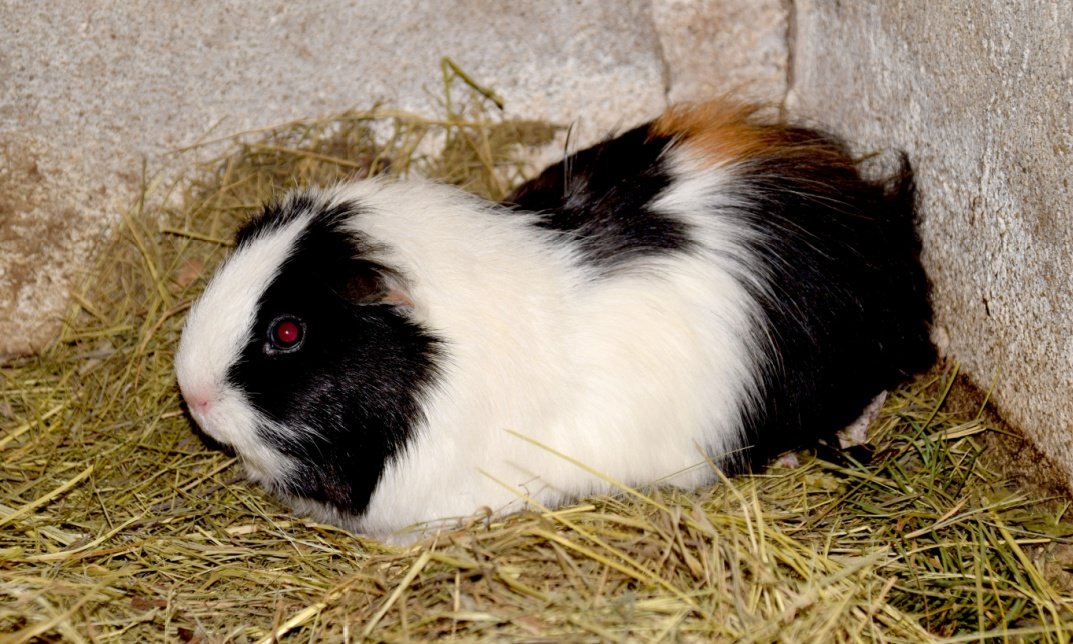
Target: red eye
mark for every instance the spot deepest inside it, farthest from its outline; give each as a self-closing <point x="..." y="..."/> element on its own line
<point x="286" y="333"/>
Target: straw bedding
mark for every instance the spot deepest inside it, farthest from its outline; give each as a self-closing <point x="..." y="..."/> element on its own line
<point x="118" y="523"/>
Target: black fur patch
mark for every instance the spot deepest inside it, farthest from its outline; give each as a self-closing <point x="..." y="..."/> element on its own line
<point x="599" y="198"/>
<point x="358" y="376"/>
<point x="846" y="304"/>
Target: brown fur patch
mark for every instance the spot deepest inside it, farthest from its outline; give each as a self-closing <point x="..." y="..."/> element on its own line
<point x="726" y="132"/>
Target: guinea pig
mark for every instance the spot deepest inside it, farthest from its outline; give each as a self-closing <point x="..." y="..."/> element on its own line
<point x="704" y="291"/>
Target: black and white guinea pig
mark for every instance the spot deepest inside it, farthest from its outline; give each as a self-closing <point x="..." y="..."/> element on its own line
<point x="706" y="288"/>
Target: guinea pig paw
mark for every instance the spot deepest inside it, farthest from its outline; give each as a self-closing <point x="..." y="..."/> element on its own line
<point x="788" y="460"/>
<point x="857" y="432"/>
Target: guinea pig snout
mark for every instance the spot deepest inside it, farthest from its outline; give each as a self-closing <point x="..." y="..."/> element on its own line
<point x="199" y="401"/>
<point x="201" y="404"/>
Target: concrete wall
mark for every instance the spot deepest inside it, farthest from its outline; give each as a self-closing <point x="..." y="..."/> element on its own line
<point x="980" y="94"/>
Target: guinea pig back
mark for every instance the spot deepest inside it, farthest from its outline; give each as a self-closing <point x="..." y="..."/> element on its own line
<point x="707" y="289"/>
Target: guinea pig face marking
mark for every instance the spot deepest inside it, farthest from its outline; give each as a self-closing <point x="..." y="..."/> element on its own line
<point x="219" y="326"/>
<point x="317" y="379"/>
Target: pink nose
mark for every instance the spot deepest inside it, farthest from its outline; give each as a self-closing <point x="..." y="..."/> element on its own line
<point x="199" y="402"/>
<point x="201" y="405"/>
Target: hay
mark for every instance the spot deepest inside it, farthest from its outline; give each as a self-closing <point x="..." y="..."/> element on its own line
<point x="117" y="523"/>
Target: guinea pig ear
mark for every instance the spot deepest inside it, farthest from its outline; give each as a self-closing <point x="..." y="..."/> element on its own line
<point x="371" y="283"/>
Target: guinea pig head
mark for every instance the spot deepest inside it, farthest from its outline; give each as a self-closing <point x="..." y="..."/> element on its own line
<point x="302" y="355"/>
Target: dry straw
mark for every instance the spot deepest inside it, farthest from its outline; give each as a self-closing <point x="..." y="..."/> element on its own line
<point x="117" y="523"/>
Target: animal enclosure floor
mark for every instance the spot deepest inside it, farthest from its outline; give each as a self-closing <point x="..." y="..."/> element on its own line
<point x="118" y="523"/>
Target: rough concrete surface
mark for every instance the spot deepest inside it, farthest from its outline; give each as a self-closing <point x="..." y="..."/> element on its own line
<point x="981" y="97"/>
<point x="712" y="47"/>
